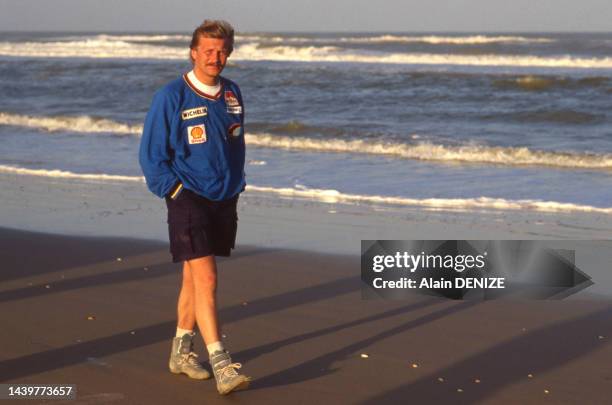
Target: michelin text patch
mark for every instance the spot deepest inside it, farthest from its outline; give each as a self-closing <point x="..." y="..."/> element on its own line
<point x="194" y="113"/>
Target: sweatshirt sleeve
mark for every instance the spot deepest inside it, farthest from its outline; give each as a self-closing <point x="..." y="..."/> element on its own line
<point x="155" y="152"/>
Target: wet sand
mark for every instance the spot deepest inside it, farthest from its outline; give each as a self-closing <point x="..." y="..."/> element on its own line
<point x="100" y="312"/>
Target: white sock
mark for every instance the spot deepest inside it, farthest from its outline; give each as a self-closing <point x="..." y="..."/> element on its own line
<point x="180" y="332"/>
<point x="215" y="347"/>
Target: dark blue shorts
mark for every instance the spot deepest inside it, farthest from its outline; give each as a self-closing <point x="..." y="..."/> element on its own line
<point x="200" y="227"/>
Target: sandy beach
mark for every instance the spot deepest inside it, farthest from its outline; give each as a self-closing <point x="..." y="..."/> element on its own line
<point x="98" y="312"/>
<point x="88" y="295"/>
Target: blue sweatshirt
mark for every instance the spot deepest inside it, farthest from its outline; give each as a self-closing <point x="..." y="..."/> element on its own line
<point x="195" y="139"/>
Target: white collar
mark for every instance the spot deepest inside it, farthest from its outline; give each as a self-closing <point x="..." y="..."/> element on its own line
<point x="204" y="88"/>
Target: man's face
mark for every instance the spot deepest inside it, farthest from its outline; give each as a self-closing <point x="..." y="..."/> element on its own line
<point x="210" y="57"/>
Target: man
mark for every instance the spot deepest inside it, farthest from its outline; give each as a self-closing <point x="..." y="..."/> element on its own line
<point x="192" y="154"/>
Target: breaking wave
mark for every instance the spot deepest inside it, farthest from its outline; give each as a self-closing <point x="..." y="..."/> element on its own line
<point x="144" y="38"/>
<point x="253" y="52"/>
<point x="67" y="175"/>
<point x="510" y="156"/>
<point x="110" y="47"/>
<point x="97" y="47"/>
<point x="427" y="39"/>
<point x="82" y="124"/>
<point x="335" y="196"/>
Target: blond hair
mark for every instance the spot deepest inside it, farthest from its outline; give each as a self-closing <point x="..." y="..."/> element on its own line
<point x="219" y="29"/>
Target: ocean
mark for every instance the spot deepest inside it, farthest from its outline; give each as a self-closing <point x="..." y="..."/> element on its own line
<point x="441" y="121"/>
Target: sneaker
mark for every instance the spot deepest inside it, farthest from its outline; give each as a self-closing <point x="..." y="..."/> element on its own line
<point x="184" y="360"/>
<point x="228" y="379"/>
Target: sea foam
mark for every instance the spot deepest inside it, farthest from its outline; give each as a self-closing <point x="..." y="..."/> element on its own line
<point x="79" y="124"/>
<point x="511" y="156"/>
<point x="335" y="196"/>
<point x="427" y="39"/>
<point x="253" y="52"/>
<point x="426" y="151"/>
<point x="109" y="47"/>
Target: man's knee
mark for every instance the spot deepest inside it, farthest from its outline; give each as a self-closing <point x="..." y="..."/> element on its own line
<point x="204" y="273"/>
<point x="205" y="281"/>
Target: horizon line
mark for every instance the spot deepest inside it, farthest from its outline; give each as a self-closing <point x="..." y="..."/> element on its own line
<point x="317" y="31"/>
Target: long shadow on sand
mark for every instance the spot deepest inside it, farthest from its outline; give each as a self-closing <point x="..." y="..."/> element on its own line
<point x="94" y="280"/>
<point x="321" y="366"/>
<point x="110" y="277"/>
<point x="507" y="363"/>
<point x="250" y="354"/>
<point x="74" y="354"/>
<point x="26" y="254"/>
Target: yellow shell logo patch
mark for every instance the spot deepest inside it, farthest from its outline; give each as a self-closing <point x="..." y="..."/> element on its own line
<point x="196" y="134"/>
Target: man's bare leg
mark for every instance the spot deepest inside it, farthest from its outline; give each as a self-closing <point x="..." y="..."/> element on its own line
<point x="186" y="301"/>
<point x="182" y="358"/>
<point x="204" y="277"/>
<point x="204" y="273"/>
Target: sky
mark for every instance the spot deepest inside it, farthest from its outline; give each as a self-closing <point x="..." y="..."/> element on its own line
<point x="314" y="15"/>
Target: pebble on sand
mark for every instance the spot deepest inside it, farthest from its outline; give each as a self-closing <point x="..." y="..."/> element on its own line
<point x="546" y="392"/>
<point x="91" y="318"/>
<point x="47" y="286"/>
<point x="477" y="381"/>
<point x="459" y="390"/>
<point x="119" y="259"/>
<point x="440" y="379"/>
<point x="529" y="375"/>
<point x="364" y="356"/>
<point x="414" y="365"/>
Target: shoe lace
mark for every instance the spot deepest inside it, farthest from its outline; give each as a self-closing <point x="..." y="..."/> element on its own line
<point x="192" y="358"/>
<point x="230" y="370"/>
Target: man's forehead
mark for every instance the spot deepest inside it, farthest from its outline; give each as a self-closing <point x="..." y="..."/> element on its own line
<point x="212" y="43"/>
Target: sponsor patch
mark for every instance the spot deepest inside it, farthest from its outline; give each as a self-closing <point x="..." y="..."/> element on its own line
<point x="235" y="130"/>
<point x="231" y="100"/>
<point x="196" y="134"/>
<point x="234" y="110"/>
<point x="194" y="113"/>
